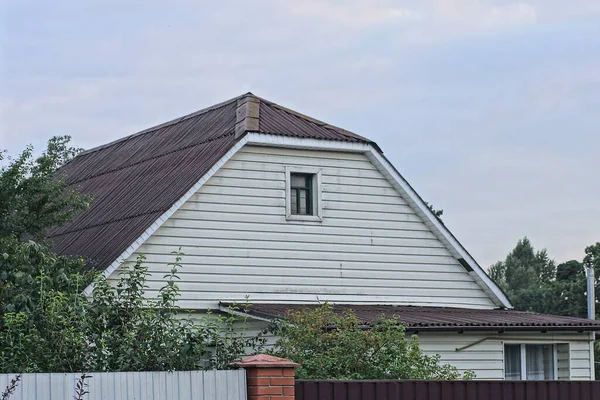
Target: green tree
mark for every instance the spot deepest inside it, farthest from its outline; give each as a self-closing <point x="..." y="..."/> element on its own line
<point x="120" y="329"/>
<point x="533" y="283"/>
<point x="47" y="325"/>
<point x="436" y="212"/>
<point x="33" y="195"/>
<point x="330" y="345"/>
<point x="33" y="198"/>
<point x="526" y="276"/>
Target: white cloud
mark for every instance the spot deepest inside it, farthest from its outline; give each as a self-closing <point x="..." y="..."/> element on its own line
<point x="473" y="14"/>
<point x="356" y="13"/>
<point x="512" y="14"/>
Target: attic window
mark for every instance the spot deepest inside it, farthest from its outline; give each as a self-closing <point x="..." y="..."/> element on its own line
<point x="301" y="194"/>
<point x="303" y="197"/>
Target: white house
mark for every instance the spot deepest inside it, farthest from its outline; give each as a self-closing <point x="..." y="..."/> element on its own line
<point x="290" y="211"/>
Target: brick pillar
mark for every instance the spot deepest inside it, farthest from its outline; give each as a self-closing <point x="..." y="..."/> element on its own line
<point x="269" y="377"/>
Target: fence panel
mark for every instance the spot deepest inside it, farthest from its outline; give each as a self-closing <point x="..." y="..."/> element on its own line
<point x="447" y="390"/>
<point x="179" y="385"/>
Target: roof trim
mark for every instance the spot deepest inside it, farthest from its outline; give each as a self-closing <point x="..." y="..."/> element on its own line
<point x="380" y="162"/>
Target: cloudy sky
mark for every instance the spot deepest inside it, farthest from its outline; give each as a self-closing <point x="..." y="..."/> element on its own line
<point x="491" y="109"/>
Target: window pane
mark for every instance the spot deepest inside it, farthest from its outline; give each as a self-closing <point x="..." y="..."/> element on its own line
<point x="540" y="361"/>
<point x="512" y="362"/>
<point x="298" y="180"/>
<point x="302" y="209"/>
<point x="301" y="194"/>
<point x="294" y="201"/>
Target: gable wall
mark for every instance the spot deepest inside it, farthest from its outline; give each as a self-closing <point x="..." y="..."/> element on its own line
<point x="370" y="247"/>
<point x="486" y="359"/>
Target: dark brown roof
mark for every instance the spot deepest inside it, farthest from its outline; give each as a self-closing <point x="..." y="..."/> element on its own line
<point x="443" y="319"/>
<point x="134" y="180"/>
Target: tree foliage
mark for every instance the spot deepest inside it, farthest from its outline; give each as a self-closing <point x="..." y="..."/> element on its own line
<point x="526" y="276"/>
<point x="34" y="198"/>
<point x="48" y="325"/>
<point x="120" y="329"/>
<point x="533" y="282"/>
<point x="330" y="345"/>
<point x="436" y="212"/>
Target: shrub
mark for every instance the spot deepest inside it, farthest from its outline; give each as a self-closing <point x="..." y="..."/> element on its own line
<point x="331" y="345"/>
<point x="119" y="329"/>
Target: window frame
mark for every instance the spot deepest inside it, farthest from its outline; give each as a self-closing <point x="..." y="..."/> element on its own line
<point x="316" y="202"/>
<point x="523" y="357"/>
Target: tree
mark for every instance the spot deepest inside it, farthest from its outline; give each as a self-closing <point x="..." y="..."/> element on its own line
<point x="437" y="213"/>
<point x="120" y="329"/>
<point x="329" y="345"/>
<point x="533" y="283"/>
<point x="47" y="325"/>
<point x="525" y="275"/>
<point x="34" y="198"/>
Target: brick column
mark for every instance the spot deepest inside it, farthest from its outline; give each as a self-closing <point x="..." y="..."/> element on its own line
<point x="269" y="377"/>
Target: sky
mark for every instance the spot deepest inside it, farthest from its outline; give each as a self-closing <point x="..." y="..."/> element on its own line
<point x="490" y="109"/>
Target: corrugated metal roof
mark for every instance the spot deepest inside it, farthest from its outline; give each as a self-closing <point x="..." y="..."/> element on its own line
<point x="442" y="318"/>
<point x="279" y="120"/>
<point x="134" y="180"/>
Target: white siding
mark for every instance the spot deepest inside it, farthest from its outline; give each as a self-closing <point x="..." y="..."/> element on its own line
<point x="178" y="385"/>
<point x="486" y="359"/>
<point x="370" y="247"/>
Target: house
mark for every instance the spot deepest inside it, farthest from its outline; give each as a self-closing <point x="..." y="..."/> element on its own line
<point x="290" y="211"/>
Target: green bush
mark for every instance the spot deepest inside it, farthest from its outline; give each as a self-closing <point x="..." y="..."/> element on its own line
<point x="119" y="329"/>
<point x="331" y="345"/>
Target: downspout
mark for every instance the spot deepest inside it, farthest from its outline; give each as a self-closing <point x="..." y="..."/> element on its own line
<point x="591" y="308"/>
<point x="591" y="294"/>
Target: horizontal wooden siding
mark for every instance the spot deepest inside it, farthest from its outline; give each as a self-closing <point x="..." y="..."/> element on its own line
<point x="370" y="247"/>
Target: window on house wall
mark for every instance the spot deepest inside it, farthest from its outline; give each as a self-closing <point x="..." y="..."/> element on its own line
<point x="529" y="361"/>
<point x="303" y="194"/>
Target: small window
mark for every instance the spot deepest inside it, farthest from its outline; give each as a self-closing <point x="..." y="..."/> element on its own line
<point x="303" y="194"/>
<point x="529" y="362"/>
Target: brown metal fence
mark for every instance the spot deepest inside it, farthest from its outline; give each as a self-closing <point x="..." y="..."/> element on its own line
<point x="447" y="390"/>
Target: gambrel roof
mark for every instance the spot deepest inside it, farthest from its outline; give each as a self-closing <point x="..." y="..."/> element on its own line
<point x="137" y="182"/>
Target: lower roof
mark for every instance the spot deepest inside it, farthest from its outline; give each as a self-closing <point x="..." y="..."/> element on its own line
<point x="440" y="318"/>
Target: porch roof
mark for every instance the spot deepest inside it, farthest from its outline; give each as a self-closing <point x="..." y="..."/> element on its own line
<point x="418" y="318"/>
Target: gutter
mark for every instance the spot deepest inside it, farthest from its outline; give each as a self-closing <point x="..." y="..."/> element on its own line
<point x="520" y="339"/>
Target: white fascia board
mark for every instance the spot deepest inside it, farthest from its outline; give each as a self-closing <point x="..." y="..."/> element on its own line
<point x="380" y="162"/>
<point x="265" y="139"/>
<point x="161" y="220"/>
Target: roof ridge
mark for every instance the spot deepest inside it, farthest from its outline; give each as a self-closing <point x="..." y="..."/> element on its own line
<point x="165" y="124"/>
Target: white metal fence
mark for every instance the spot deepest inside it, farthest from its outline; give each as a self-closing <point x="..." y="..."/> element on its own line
<point x="179" y="385"/>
